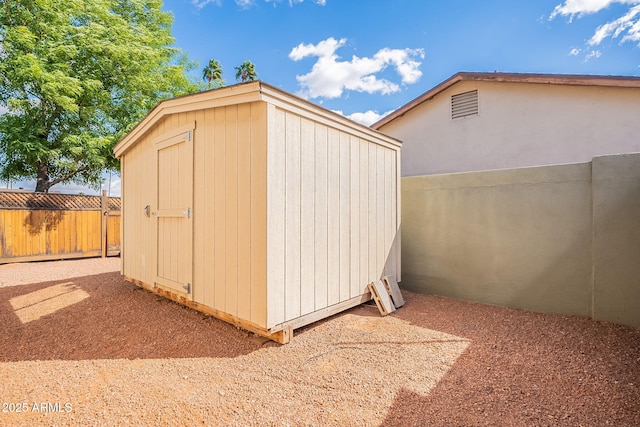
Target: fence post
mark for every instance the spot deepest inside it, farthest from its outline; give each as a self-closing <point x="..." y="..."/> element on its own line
<point x="104" y="212"/>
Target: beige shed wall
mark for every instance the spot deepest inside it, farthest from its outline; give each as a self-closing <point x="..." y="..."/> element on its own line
<point x="332" y="214"/>
<point x="229" y="208"/>
<point x="229" y="211"/>
<point x="518" y="125"/>
<point x="137" y="192"/>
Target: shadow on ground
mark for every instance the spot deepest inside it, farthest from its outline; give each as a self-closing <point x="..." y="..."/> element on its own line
<point x="524" y="368"/>
<point x="105" y="317"/>
<point x="520" y="368"/>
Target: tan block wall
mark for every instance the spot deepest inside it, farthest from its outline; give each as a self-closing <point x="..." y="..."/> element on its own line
<point x="616" y="244"/>
<point x="527" y="238"/>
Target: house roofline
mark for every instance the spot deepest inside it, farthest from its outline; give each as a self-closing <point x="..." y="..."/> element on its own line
<point x="557" y="79"/>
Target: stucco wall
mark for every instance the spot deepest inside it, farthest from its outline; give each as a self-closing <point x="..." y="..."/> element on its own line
<point x="549" y="239"/>
<point x="616" y="238"/>
<point x="518" y="125"/>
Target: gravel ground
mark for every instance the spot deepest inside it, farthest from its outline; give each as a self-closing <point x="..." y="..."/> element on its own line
<point x="81" y="346"/>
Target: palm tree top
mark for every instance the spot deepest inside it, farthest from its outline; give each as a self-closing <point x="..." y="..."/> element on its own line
<point x="212" y="73"/>
<point x="246" y="72"/>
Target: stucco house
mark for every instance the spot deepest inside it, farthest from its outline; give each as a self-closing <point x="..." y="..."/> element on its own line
<point x="487" y="121"/>
<point x="523" y="190"/>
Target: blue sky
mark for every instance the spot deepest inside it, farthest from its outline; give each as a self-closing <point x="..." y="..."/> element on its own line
<point x="367" y="58"/>
<point x="374" y="56"/>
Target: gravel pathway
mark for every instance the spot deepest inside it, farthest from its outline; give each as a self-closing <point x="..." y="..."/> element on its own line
<point x="81" y="346"/>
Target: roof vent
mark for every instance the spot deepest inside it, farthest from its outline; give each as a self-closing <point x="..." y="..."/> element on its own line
<point x="464" y="104"/>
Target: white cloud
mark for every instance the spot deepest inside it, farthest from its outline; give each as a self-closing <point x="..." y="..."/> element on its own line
<point x="244" y="4"/>
<point x="592" y="54"/>
<point x="367" y="118"/>
<point x="202" y="3"/>
<point x="572" y="8"/>
<point x="629" y="23"/>
<point x="294" y="2"/>
<point x="407" y="68"/>
<point x="330" y="77"/>
<point x="115" y="188"/>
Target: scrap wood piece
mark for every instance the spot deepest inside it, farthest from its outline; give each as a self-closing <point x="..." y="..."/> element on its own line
<point x="394" y="290"/>
<point x="381" y="297"/>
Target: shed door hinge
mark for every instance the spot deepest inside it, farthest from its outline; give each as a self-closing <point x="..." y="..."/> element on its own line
<point x="187" y="136"/>
<point x="187" y="288"/>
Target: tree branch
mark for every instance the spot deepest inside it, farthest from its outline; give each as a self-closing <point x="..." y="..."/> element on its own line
<point x="67" y="176"/>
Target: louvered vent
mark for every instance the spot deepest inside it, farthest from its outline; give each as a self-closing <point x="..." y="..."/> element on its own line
<point x="464" y="104"/>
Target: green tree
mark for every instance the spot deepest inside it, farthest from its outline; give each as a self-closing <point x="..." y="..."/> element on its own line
<point x="212" y="74"/>
<point x="75" y="76"/>
<point x="246" y="72"/>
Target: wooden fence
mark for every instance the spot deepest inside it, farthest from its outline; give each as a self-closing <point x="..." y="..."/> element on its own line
<point x="36" y="226"/>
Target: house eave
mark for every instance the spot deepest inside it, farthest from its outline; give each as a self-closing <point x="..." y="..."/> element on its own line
<point x="555" y="79"/>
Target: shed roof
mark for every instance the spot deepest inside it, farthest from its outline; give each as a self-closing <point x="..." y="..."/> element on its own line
<point x="53" y="201"/>
<point x="554" y="79"/>
<point x="236" y="94"/>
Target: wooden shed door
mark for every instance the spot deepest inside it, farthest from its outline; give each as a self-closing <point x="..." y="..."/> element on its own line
<point x="174" y="195"/>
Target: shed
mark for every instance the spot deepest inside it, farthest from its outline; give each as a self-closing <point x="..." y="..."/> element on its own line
<point x="258" y="207"/>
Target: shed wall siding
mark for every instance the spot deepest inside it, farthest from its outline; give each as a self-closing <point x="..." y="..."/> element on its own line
<point x="137" y="229"/>
<point x="331" y="213"/>
<point x="230" y="210"/>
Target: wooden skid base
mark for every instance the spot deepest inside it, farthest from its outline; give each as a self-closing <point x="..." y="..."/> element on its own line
<point x="326" y="312"/>
<point x="282" y="336"/>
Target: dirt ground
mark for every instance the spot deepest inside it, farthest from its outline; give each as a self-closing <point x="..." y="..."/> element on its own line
<point x="81" y="346"/>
